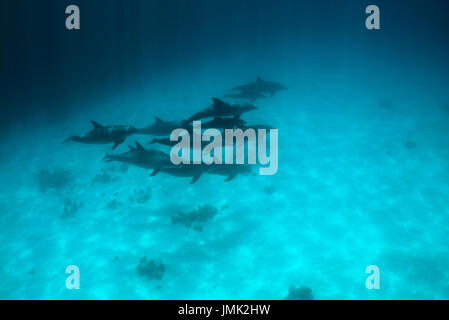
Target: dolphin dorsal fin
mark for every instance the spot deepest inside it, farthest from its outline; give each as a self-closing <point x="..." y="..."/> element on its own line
<point x="218" y="103"/>
<point x="157" y="119"/>
<point x="131" y="148"/>
<point x="259" y="79"/>
<point x="139" y="146"/>
<point x="96" y="124"/>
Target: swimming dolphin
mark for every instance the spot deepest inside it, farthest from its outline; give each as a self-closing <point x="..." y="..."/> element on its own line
<point x="161" y="127"/>
<point x="261" y="86"/>
<point x="169" y="143"/>
<point x="249" y="95"/>
<point x="194" y="171"/>
<point x="163" y="141"/>
<point x="230" y="171"/>
<point x="224" y="123"/>
<point x="105" y="134"/>
<point x="142" y="158"/>
<point x="220" y="108"/>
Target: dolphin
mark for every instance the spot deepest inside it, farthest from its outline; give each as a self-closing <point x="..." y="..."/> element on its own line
<point x="194" y="171"/>
<point x="142" y="158"/>
<point x="169" y="143"/>
<point x="249" y="95"/>
<point x="261" y="86"/>
<point x="230" y="171"/>
<point x="161" y="127"/>
<point x="104" y="134"/>
<point x="220" y="108"/>
<point x="224" y="123"/>
<point x="163" y="141"/>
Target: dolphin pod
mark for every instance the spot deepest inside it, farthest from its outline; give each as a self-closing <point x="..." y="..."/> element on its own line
<point x="222" y="115"/>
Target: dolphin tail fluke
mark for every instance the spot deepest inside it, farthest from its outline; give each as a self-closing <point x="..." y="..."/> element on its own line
<point x="155" y="172"/>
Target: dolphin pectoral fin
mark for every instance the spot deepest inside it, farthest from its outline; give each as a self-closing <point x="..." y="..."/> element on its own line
<point x="118" y="142"/>
<point x="195" y="178"/>
<point x="155" y="172"/>
<point x="259" y="79"/>
<point x="231" y="177"/>
<point x="272" y="93"/>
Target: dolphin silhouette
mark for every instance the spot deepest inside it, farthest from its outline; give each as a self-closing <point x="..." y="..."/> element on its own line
<point x="261" y="86"/>
<point x="219" y="108"/>
<point x="230" y="171"/>
<point x="161" y="127"/>
<point x="194" y="171"/>
<point x="142" y="158"/>
<point x="224" y="123"/>
<point x="104" y="134"/>
<point x="249" y="95"/>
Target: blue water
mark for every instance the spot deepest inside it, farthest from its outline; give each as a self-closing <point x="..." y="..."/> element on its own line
<point x="363" y="173"/>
